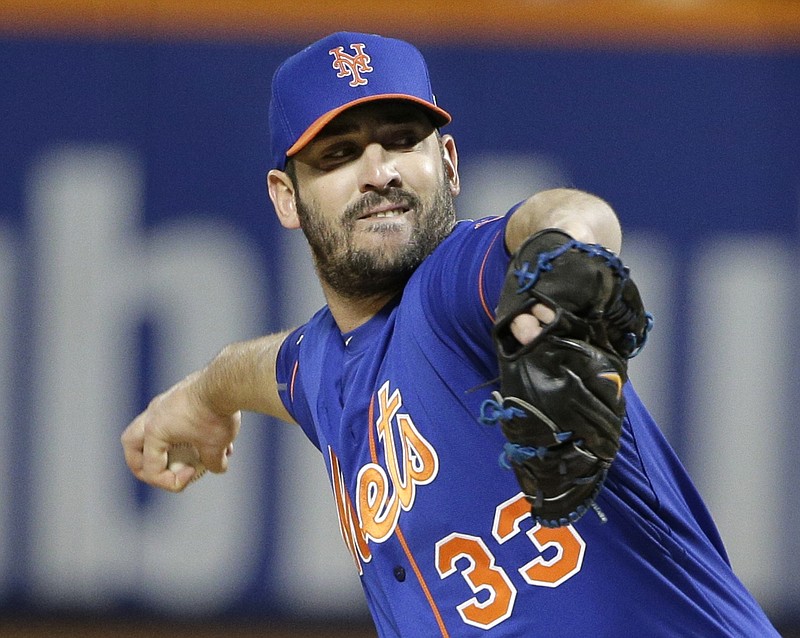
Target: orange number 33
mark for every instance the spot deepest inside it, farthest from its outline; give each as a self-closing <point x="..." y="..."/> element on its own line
<point x="489" y="580"/>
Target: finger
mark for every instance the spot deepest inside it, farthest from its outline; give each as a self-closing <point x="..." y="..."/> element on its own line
<point x="147" y="460"/>
<point x="132" y="440"/>
<point x="525" y="328"/>
<point x="134" y="458"/>
<point x="543" y="313"/>
<point x="179" y="478"/>
<point x="214" y="454"/>
<point x="215" y="458"/>
<point x="154" y="467"/>
<point x="171" y="480"/>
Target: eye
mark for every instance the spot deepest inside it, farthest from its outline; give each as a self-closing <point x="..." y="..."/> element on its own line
<point x="337" y="154"/>
<point x="404" y="139"/>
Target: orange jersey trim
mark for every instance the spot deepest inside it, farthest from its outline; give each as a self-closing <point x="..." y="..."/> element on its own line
<point x="406" y="550"/>
<point x="422" y="583"/>
<point x="728" y="25"/>
<point x="484" y="303"/>
<point x="373" y="452"/>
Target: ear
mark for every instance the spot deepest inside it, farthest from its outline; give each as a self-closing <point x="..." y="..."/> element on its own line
<point x="450" y="155"/>
<point x="281" y="192"/>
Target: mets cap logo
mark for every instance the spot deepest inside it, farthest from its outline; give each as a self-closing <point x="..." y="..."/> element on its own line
<point x="352" y="65"/>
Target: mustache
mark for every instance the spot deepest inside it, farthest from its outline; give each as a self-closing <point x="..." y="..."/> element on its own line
<point x="371" y="200"/>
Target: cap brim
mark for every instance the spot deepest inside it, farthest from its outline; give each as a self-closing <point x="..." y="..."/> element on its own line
<point x="439" y="116"/>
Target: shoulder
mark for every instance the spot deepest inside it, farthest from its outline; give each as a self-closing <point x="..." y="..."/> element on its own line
<point x="318" y="327"/>
<point x="305" y="340"/>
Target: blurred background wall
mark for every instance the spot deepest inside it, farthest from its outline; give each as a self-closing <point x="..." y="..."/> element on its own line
<point x="136" y="239"/>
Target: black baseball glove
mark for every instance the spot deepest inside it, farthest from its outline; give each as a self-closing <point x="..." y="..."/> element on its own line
<point x="560" y="403"/>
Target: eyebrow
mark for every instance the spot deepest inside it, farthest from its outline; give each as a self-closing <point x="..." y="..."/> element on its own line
<point x="332" y="129"/>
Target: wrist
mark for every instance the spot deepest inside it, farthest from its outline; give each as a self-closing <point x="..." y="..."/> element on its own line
<point x="206" y="390"/>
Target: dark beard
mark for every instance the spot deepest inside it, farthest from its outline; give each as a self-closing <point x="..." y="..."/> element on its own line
<point x="359" y="274"/>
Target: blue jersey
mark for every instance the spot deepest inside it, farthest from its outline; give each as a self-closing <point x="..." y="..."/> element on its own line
<point x="439" y="532"/>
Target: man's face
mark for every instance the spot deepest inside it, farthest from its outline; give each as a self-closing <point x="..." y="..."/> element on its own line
<point x="374" y="197"/>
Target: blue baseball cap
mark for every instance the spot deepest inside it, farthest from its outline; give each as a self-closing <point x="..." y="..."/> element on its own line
<point x="331" y="75"/>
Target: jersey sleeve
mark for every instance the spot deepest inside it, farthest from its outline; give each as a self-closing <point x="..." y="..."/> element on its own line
<point x="290" y="383"/>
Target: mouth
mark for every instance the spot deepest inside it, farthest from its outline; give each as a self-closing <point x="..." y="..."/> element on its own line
<point x="388" y="211"/>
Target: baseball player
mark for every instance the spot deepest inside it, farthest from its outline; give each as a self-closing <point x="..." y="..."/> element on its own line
<point x="493" y="469"/>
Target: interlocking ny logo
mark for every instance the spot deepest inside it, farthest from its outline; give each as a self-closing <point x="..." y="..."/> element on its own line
<point x="353" y="65"/>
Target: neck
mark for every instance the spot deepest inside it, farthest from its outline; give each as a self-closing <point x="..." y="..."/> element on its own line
<point x="349" y="313"/>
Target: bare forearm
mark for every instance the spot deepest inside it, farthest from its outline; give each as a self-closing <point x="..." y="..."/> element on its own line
<point x="242" y="377"/>
<point x="204" y="411"/>
<point x="584" y="216"/>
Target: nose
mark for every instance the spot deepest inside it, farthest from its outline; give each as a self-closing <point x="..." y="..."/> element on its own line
<point x="378" y="171"/>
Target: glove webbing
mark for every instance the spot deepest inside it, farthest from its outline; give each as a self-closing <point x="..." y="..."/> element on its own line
<point x="620" y="314"/>
<point x="544" y="263"/>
